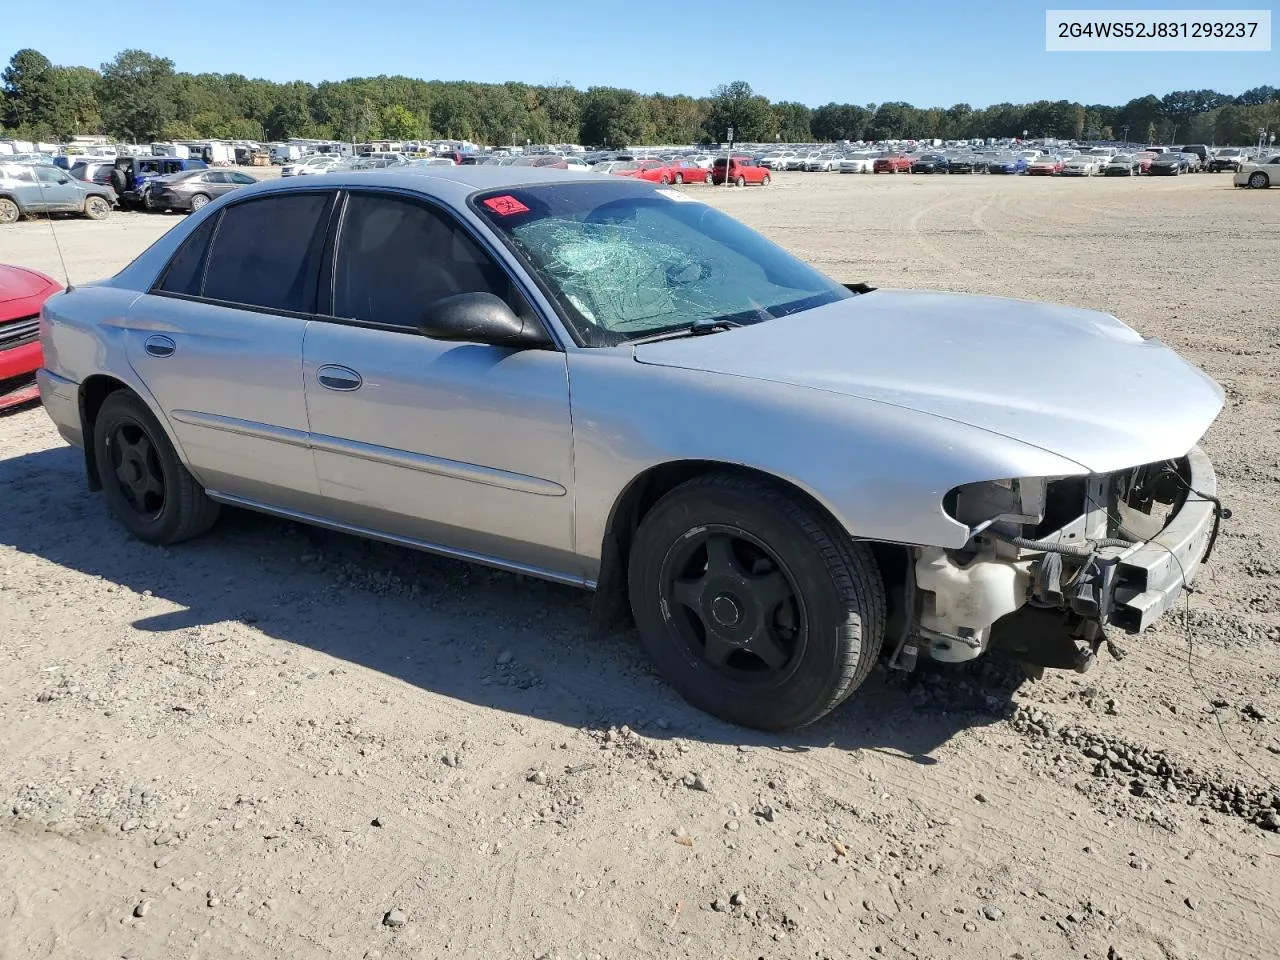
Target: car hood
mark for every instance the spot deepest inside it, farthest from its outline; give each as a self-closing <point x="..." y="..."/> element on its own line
<point x="22" y="283"/>
<point x="1074" y="382"/>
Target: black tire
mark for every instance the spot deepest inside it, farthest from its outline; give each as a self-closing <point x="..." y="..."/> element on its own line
<point x="97" y="208"/>
<point x="825" y="631"/>
<point x="766" y="181"/>
<point x="679" y="178"/>
<point x="161" y="502"/>
<point x="1259" y="180"/>
<point x="741" y="181"/>
<point x="9" y="211"/>
<point x="199" y="201"/>
<point x="708" y="179"/>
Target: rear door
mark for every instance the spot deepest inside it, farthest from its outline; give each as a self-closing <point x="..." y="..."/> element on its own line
<point x="459" y="445"/>
<point x="218" y="342"/>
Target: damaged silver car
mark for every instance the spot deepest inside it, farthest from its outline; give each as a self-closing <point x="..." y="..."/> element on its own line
<point x="605" y="383"/>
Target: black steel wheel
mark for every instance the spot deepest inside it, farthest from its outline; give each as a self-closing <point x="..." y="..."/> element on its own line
<point x="733" y="604"/>
<point x="134" y="467"/>
<point x="147" y="487"/>
<point x="753" y="604"/>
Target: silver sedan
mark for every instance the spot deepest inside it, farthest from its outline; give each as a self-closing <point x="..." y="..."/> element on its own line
<point x="606" y="383"/>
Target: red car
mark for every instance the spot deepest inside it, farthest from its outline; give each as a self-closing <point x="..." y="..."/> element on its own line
<point x="742" y="170"/>
<point x="22" y="291"/>
<point x="892" y="163"/>
<point x="683" y="171"/>
<point x="1045" y="166"/>
<point x="655" y="171"/>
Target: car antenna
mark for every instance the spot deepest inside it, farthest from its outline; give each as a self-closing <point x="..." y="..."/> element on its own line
<point x="66" y="276"/>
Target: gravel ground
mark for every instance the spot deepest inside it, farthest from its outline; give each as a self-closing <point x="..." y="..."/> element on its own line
<point x="281" y="742"/>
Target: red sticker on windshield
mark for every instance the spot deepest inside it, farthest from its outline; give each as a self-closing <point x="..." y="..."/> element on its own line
<point x="505" y="206"/>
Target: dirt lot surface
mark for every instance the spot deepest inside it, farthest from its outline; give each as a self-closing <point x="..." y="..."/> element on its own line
<point x="279" y="742"/>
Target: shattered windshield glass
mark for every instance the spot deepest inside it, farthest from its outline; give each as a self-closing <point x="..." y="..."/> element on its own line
<point x="624" y="260"/>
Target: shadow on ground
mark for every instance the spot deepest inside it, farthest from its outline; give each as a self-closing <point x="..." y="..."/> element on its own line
<point x="457" y="630"/>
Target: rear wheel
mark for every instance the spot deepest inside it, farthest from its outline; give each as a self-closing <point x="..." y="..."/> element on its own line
<point x="708" y="178"/>
<point x="97" y="208"/>
<point x="146" y="485"/>
<point x="1257" y="180"/>
<point x="752" y="604"/>
<point x="679" y="178"/>
<point x="9" y="212"/>
<point x="198" y="201"/>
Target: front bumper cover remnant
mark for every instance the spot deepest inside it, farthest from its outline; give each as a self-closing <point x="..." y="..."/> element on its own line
<point x="1149" y="580"/>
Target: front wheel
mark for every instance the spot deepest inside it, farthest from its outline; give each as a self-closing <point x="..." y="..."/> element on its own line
<point x="664" y="180"/>
<point x="708" y="179"/>
<point x="97" y="208"/>
<point x="741" y="181"/>
<point x="752" y="604"/>
<point x="198" y="202"/>
<point x="9" y="212"/>
<point x="148" y="489"/>
<point x="765" y="181"/>
<point x="1257" y="180"/>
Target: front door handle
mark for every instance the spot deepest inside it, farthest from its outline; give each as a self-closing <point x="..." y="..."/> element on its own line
<point x="332" y="376"/>
<point x="160" y="346"/>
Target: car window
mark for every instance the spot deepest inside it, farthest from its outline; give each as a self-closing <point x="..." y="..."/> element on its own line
<point x="397" y="257"/>
<point x="264" y="253"/>
<point x="185" y="271"/>
<point x="240" y="178"/>
<point x="212" y="176"/>
<point x="624" y="261"/>
<point x="47" y="174"/>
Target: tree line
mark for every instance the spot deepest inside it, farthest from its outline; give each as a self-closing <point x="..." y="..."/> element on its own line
<point x="140" y="97"/>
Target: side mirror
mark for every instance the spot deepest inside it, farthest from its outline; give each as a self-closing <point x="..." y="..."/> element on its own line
<point x="481" y="318"/>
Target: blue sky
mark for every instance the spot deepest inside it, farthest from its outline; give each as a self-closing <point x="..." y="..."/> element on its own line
<point x="926" y="52"/>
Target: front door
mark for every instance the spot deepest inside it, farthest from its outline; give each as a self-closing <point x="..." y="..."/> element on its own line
<point x="459" y="445"/>
<point x="57" y="191"/>
<point x="218" y="343"/>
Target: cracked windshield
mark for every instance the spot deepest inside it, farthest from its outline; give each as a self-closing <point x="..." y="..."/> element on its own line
<point x="629" y="266"/>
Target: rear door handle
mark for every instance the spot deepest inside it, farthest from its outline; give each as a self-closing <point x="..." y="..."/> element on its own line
<point x="160" y="346"/>
<point x="332" y="376"/>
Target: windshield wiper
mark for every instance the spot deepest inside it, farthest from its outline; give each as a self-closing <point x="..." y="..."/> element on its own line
<point x="696" y="329"/>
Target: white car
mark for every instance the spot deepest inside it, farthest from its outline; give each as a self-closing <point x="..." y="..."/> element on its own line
<point x="1083" y="165"/>
<point x="797" y="161"/>
<point x="1263" y="173"/>
<point x="318" y="163"/>
<point x="857" y="163"/>
<point x="777" y="161"/>
<point x="822" y="162"/>
<point x="577" y="163"/>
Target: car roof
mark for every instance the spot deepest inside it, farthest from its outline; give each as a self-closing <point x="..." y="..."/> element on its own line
<point x="452" y="184"/>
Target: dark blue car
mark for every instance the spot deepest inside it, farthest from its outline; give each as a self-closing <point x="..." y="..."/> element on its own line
<point x="132" y="172"/>
<point x="1007" y="165"/>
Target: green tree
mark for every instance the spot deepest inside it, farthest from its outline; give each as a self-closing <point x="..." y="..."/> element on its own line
<point x="136" y="95"/>
<point x="793" y="122"/>
<point x="398" y="123"/>
<point x="839" y="121"/>
<point x="30" y="97"/>
<point x="75" y="101"/>
<point x="736" y="105"/>
<point x="611" y="118"/>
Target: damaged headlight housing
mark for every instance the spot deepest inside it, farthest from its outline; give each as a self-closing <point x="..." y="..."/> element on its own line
<point x="1016" y="501"/>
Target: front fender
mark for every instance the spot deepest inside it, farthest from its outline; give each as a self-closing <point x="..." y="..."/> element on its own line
<point x="881" y="471"/>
